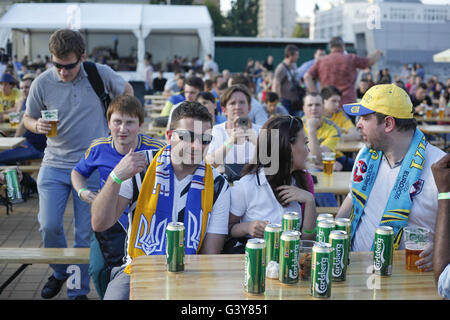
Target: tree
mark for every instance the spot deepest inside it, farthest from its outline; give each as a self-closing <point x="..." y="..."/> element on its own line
<point x="216" y="16"/>
<point x="299" y="32"/>
<point x="242" y="20"/>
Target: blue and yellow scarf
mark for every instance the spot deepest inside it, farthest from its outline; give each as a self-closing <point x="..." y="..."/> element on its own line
<point x="399" y="203"/>
<point x="154" y="208"/>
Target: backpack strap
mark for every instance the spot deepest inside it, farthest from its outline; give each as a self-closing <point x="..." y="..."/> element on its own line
<point x="97" y="83"/>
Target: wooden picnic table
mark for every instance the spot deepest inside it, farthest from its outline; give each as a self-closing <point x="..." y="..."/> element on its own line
<point x="338" y="183"/>
<point x="432" y="119"/>
<point x="6" y="127"/>
<point x="349" y="146"/>
<point x="220" y="277"/>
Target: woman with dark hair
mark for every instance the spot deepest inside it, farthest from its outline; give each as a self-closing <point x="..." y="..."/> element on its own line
<point x="275" y="182"/>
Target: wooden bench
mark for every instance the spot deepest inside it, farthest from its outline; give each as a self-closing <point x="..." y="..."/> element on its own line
<point x="28" y="256"/>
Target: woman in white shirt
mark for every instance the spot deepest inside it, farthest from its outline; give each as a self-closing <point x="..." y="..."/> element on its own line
<point x="278" y="182"/>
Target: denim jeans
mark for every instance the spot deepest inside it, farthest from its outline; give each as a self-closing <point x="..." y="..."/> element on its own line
<point x="54" y="189"/>
<point x="9" y="157"/>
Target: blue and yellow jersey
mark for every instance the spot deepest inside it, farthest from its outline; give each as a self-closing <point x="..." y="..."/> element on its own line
<point x="102" y="155"/>
<point x="342" y="120"/>
<point x="328" y="134"/>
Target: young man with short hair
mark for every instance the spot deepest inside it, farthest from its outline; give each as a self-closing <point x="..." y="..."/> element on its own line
<point x="178" y="185"/>
<point x="81" y="118"/>
<point x="125" y="117"/>
<point x="192" y="87"/>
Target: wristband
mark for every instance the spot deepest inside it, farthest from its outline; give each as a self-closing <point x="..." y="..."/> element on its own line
<point x="227" y="145"/>
<point x="444" y="196"/>
<point x="80" y="191"/>
<point x="115" y="178"/>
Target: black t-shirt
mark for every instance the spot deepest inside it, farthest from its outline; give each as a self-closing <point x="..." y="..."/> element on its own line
<point x="426" y="100"/>
<point x="158" y="84"/>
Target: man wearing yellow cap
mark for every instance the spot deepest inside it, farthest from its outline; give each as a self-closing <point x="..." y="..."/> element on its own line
<point x="391" y="182"/>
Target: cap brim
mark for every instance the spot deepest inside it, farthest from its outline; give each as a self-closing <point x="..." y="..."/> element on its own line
<point x="356" y="109"/>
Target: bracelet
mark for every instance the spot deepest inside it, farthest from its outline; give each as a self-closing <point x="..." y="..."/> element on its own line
<point x="115" y="178"/>
<point x="227" y="145"/>
<point x="444" y="196"/>
<point x="80" y="191"/>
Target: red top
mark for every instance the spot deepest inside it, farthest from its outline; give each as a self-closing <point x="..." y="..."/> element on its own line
<point x="339" y="69"/>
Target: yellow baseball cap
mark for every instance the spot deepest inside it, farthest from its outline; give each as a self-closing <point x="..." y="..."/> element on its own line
<point x="387" y="99"/>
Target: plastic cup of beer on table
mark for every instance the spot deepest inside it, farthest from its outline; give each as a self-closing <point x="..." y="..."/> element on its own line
<point x="305" y="259"/>
<point x="328" y="159"/>
<point x="52" y="117"/>
<point x="14" y="119"/>
<point x="441" y="113"/>
<point x="429" y="112"/>
<point x="416" y="240"/>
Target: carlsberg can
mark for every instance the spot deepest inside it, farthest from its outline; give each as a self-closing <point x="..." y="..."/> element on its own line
<point x="272" y="234"/>
<point x="291" y="221"/>
<point x="383" y="248"/>
<point x="339" y="243"/>
<point x="255" y="266"/>
<point x="321" y="264"/>
<point x="175" y="246"/>
<point x="324" y="228"/>
<point x="324" y="216"/>
<point x="345" y="224"/>
<point x="13" y="185"/>
<point x="289" y="259"/>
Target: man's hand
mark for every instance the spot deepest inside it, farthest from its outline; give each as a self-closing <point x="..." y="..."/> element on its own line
<point x="131" y="164"/>
<point x="88" y="196"/>
<point x="256" y="228"/>
<point x="43" y="126"/>
<point x="425" y="263"/>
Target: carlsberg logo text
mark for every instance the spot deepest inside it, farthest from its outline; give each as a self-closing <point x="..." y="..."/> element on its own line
<point x="323" y="281"/>
<point x="338" y="263"/>
<point x="293" y="272"/>
<point x="379" y="254"/>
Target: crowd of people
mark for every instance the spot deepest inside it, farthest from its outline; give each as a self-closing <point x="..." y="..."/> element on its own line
<point x="240" y="149"/>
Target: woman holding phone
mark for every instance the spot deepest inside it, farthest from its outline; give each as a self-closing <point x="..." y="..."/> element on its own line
<point x="234" y="141"/>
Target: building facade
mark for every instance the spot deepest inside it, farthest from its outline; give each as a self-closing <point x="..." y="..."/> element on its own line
<point x="276" y="19"/>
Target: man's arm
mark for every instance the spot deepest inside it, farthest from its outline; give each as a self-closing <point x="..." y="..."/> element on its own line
<point x="310" y="84"/>
<point x="128" y="89"/>
<point x="36" y="125"/>
<point x="374" y="57"/>
<point x="212" y="244"/>
<point x="346" y="208"/>
<point x="79" y="182"/>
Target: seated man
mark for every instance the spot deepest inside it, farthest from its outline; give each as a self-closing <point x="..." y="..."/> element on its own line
<point x="272" y="106"/>
<point x="332" y="104"/>
<point x="420" y="100"/>
<point x="9" y="94"/>
<point x="203" y="206"/>
<point x="323" y="134"/>
<point x="392" y="184"/>
<point x="192" y="87"/>
<point x="125" y="117"/>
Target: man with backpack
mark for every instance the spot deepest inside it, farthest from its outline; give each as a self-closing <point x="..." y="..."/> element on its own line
<point x="81" y="118"/>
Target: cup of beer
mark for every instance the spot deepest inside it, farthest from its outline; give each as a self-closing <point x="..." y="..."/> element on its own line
<point x="14" y="119"/>
<point x="441" y="113"/>
<point x="328" y="159"/>
<point x="52" y="117"/>
<point x="429" y="112"/>
<point x="416" y="240"/>
<point x="305" y="259"/>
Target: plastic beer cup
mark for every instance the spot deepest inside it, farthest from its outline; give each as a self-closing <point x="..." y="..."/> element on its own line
<point x="429" y="112"/>
<point x="14" y="119"/>
<point x="328" y="159"/>
<point x="52" y="117"/>
<point x="416" y="240"/>
<point x="441" y="113"/>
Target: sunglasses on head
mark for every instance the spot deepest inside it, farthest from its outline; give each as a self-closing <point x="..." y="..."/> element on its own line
<point x="292" y="139"/>
<point x="189" y="136"/>
<point x="66" y="66"/>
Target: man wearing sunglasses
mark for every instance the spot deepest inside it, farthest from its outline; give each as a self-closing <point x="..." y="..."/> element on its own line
<point x="178" y="185"/>
<point x="66" y="88"/>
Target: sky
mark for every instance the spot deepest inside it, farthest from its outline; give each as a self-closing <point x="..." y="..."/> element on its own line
<point x="305" y="7"/>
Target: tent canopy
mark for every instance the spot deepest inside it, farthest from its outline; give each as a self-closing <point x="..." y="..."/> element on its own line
<point x="443" y="56"/>
<point x="140" y="19"/>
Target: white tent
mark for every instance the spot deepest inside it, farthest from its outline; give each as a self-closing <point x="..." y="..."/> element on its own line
<point x="141" y="20"/>
<point x="443" y="56"/>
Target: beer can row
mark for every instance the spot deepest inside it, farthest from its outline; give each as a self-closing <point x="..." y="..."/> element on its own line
<point x="13" y="186"/>
<point x="383" y="251"/>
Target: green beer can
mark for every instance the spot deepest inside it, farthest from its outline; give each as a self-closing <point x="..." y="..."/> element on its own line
<point x="175" y="246"/>
<point x="345" y="224"/>
<point x="339" y="243"/>
<point x="383" y="251"/>
<point x="12" y="186"/>
<point x="291" y="221"/>
<point x="272" y="234"/>
<point x="321" y="265"/>
<point x="289" y="260"/>
<point x="324" y="228"/>
<point x="255" y="266"/>
<point x="324" y="216"/>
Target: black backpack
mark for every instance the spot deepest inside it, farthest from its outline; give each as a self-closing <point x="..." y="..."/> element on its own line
<point x="97" y="83"/>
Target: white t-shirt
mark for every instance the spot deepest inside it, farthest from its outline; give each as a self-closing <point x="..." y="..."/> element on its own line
<point x="240" y="153"/>
<point x="252" y="199"/>
<point x="424" y="206"/>
<point x="217" y="220"/>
